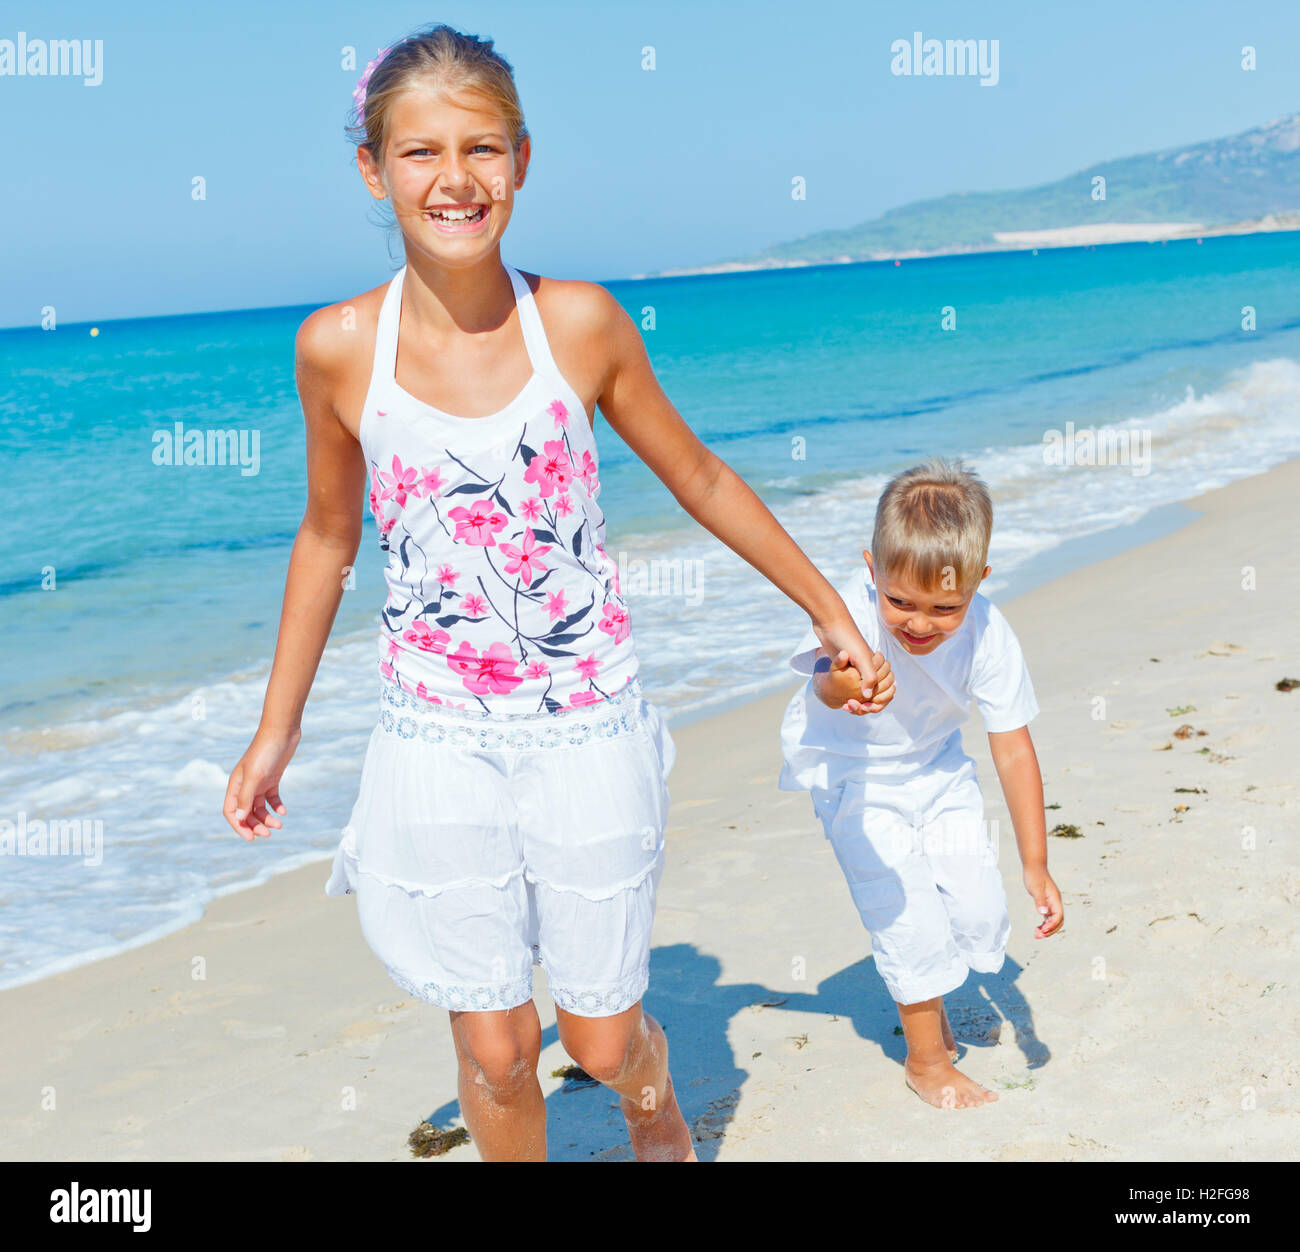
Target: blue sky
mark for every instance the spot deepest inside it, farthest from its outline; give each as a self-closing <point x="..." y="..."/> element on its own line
<point x="632" y="171"/>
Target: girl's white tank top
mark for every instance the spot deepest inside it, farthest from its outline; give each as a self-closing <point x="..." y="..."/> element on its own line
<point x="501" y="597"/>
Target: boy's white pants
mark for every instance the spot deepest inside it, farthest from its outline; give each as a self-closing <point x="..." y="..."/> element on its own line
<point x="923" y="872"/>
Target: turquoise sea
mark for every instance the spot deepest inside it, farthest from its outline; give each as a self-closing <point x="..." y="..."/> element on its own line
<point x="139" y="602"/>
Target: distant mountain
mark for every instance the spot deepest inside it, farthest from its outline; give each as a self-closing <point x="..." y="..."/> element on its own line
<point x="1246" y="182"/>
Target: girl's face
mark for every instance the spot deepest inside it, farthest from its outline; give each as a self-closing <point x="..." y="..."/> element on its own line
<point x="450" y="173"/>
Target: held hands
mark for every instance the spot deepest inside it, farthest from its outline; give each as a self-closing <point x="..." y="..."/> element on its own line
<point x="255" y="784"/>
<point x="1047" y="900"/>
<point x="838" y="684"/>
<point x="862" y="676"/>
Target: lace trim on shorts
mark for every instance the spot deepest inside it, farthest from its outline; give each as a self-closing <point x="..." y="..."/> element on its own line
<point x="616" y="999"/>
<point x="409" y="717"/>
<point x="464" y="998"/>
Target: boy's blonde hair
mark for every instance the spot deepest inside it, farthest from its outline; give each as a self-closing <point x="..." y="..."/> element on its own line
<point x="933" y="523"/>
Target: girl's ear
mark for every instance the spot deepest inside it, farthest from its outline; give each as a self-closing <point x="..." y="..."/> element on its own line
<point x="371" y="174"/>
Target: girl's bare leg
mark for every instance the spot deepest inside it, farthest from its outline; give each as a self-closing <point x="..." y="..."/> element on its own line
<point x="928" y="1069"/>
<point x="500" y="1097"/>
<point x="629" y="1054"/>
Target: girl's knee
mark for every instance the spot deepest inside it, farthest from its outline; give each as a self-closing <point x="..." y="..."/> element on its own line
<point x="497" y="1064"/>
<point x="501" y="1056"/>
<point x="604" y="1048"/>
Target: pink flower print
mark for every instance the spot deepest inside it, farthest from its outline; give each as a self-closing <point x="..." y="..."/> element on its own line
<point x="398" y="483"/>
<point x="585" y="697"/>
<point x="385" y="669"/>
<point x="615" y="622"/>
<point x="607" y="564"/>
<point x="493" y="671"/>
<point x="538" y="669"/>
<point x="564" y="505"/>
<point x="393" y="649"/>
<point x="557" y="410"/>
<point x="588" y="474"/>
<point x="431" y="480"/>
<point x="531" y="507"/>
<point x="423" y="692"/>
<point x="474" y="606"/>
<point x="588" y="668"/>
<point x="425" y="639"/>
<point x="551" y="470"/>
<point x="555" y="605"/>
<point x="526" y="561"/>
<point x="386" y="524"/>
<point x="477" y="524"/>
<point x="447" y="576"/>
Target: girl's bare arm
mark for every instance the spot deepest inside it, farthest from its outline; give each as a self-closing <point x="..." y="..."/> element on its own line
<point x="325" y="547"/>
<point x="329" y="535"/>
<point x="708" y="489"/>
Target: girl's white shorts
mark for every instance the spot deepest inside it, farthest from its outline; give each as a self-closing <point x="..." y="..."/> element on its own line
<point x="482" y="845"/>
<point x="922" y="868"/>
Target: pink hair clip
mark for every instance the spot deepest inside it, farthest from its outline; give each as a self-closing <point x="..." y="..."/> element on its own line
<point x="359" y="92"/>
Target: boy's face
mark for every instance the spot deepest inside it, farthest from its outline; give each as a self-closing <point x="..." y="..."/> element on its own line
<point x="919" y="618"/>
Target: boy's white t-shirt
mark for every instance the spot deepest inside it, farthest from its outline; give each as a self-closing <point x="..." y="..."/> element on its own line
<point x="982" y="661"/>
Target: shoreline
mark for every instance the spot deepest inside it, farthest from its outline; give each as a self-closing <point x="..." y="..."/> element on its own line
<point x="1058" y="562"/>
<point x="230" y="1038"/>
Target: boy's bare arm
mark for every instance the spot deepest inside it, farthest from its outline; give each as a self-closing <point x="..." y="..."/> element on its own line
<point x="1022" y="785"/>
<point x="838" y="684"/>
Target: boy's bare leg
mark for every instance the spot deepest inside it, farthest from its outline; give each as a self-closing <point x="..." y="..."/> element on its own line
<point x="949" y="1041"/>
<point x="928" y="1069"/>
<point x="629" y="1054"/>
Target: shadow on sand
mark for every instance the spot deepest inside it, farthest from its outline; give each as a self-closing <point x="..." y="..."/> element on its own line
<point x="695" y="1009"/>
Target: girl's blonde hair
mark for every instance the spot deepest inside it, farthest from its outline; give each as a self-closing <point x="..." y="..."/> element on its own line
<point x="933" y="524"/>
<point x="453" y="62"/>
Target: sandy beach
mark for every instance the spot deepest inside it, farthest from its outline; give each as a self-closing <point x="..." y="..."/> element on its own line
<point x="1160" y="1025"/>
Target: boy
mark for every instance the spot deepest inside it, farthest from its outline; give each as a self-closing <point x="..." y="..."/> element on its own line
<point x="898" y="797"/>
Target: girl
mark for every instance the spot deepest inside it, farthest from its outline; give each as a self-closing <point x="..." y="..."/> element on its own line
<point x="513" y="797"/>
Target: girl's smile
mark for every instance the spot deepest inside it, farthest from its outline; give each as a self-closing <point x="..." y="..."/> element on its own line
<point x="464" y="219"/>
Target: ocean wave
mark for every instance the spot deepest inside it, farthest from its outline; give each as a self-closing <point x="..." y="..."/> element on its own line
<point x="710" y="631"/>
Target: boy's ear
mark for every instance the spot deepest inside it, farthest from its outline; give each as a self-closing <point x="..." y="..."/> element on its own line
<point x="988" y="569"/>
<point x="866" y="556"/>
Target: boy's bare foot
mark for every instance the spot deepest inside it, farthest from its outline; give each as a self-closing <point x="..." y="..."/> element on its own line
<point x="661" y="1134"/>
<point x="945" y="1087"/>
